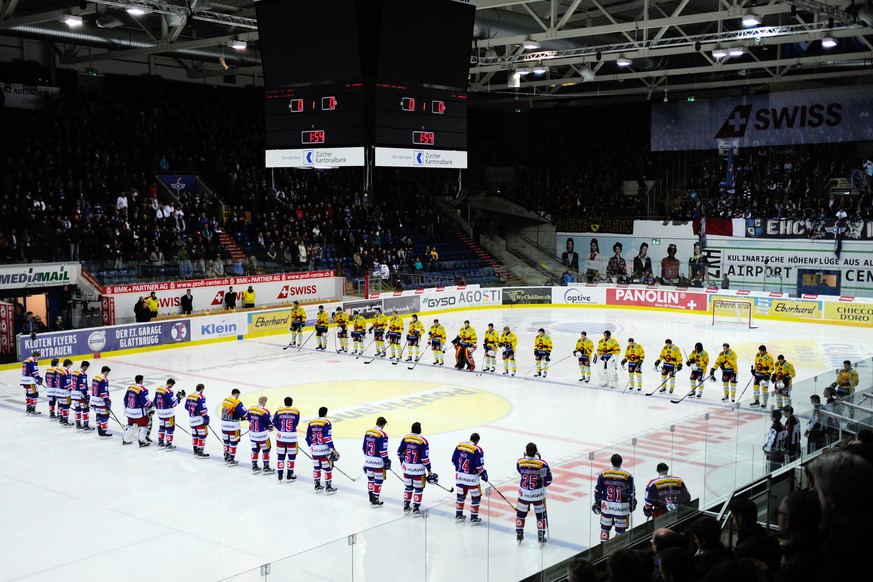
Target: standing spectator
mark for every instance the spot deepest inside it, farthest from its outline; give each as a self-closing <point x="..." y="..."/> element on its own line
<point x="152" y="304"/>
<point x="141" y="310"/>
<point x="187" y="302"/>
<point x="774" y="448"/>
<point x="121" y="205"/>
<point x="799" y="516"/>
<point x="664" y="493"/>
<point x="706" y="533"/>
<point x="59" y="324"/>
<point x="614" y="498"/>
<point x="230" y="299"/>
<point x="753" y="541"/>
<point x="249" y="298"/>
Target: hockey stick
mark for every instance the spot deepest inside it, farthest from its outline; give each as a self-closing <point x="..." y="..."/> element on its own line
<point x="484" y="359"/>
<point x="503" y="496"/>
<point x="749" y="383"/>
<point x="307" y="340"/>
<point x="664" y="383"/>
<point x="115" y="418"/>
<point x="561" y="360"/>
<point x="365" y="349"/>
<point x="452" y="490"/>
<point x="699" y="384"/>
<point x="412" y="367"/>
<point x="332" y="466"/>
<point x="398" y="476"/>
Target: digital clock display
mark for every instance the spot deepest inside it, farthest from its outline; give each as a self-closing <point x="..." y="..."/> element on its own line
<point x="312" y="136"/>
<point x="423" y="138"/>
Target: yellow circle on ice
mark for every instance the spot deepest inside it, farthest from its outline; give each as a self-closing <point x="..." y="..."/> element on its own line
<point x="354" y="406"/>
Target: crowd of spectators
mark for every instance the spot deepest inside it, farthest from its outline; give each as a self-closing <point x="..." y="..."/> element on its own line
<point x="822" y="534"/>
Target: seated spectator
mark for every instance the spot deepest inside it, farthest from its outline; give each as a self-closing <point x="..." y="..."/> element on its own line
<point x="581" y="570"/>
<point x="753" y="541"/>
<point x="706" y="533"/>
<point x="799" y="516"/>
<point x="676" y="565"/>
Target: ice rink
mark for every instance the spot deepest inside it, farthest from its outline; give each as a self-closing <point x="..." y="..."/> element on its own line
<point x="79" y="507"/>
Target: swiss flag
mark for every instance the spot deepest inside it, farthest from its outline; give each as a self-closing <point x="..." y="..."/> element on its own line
<point x="218" y="299"/>
<point x="283" y="294"/>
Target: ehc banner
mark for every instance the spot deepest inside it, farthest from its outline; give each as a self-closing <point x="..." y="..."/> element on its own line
<point x="795" y="117"/>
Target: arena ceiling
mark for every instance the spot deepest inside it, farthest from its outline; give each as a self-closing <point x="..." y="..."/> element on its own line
<point x="554" y="49"/>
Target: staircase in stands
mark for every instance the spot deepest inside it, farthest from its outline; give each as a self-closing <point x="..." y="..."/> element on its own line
<point x="236" y="253"/>
<point x="485" y="257"/>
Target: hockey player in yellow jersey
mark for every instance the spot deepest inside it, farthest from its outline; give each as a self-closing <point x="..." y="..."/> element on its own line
<point x="298" y="320"/>
<point x="783" y="373"/>
<point x="847" y="380"/>
<point x="670" y="362"/>
<point x="509" y="342"/>
<point x="542" y="352"/>
<point x="584" y="351"/>
<point x="359" y="329"/>
<point x="413" y="338"/>
<point x="727" y="362"/>
<point x="437" y="335"/>
<point x="465" y="345"/>
<point x="698" y="360"/>
<point x="761" y="372"/>
<point x="341" y="319"/>
<point x="489" y="343"/>
<point x="634" y="354"/>
<point x="322" y="320"/>
<point x="395" y="332"/>
<point x="380" y="322"/>
<point x="608" y="351"/>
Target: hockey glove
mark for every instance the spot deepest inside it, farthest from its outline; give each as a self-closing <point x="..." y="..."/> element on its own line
<point x="634" y="504"/>
<point x="180" y="395"/>
<point x="688" y="363"/>
<point x="387" y="463"/>
<point x="39" y="380"/>
<point x="107" y="403"/>
<point x="772" y="377"/>
<point x="679" y="367"/>
<point x="576" y="354"/>
<point x="647" y="510"/>
<point x="484" y="476"/>
<point x="752" y="369"/>
<point x="334" y="455"/>
<point x="87" y="398"/>
<point x="596" y="508"/>
<point x="432" y="478"/>
<point x="206" y="420"/>
<point x="594" y="358"/>
<point x="712" y="375"/>
<point x="623" y="362"/>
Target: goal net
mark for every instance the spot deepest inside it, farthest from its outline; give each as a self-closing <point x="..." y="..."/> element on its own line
<point x="733" y="311"/>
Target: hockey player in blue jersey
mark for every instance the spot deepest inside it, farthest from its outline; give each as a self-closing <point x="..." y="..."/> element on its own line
<point x="51" y="387"/>
<point x="286" y="420"/>
<point x="101" y="402"/>
<point x="376" y="460"/>
<point x="469" y="462"/>
<point x="80" y="396"/>
<point x="165" y="403"/>
<point x="30" y="382"/>
<point x="137" y="407"/>
<point x="614" y="498"/>
<point x="414" y="455"/>
<point x="232" y="412"/>
<point x="260" y="425"/>
<point x="319" y="437"/>
<point x="198" y="420"/>
<point x="535" y="477"/>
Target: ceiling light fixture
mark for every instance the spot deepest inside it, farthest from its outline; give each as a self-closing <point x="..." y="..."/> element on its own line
<point x="238" y="45"/>
<point x="719" y="53"/>
<point x="828" y="42"/>
<point x="523" y="70"/>
<point x="530" y="45"/>
<point x="751" y="19"/>
<point x="623" y="62"/>
<point x="72" y="20"/>
<point x="540" y="70"/>
<point x="737" y="51"/>
<point x="136" y="11"/>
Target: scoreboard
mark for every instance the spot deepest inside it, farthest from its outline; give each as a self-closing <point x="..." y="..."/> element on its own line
<point x="321" y="115"/>
<point x="420" y="117"/>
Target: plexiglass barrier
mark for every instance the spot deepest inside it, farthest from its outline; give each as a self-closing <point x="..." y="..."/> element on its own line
<point x="715" y="453"/>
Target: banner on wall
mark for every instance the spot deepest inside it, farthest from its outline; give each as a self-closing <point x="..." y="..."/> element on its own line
<point x="793" y="117"/>
<point x="664" y="298"/>
<point x="106" y="339"/>
<point x="7" y="328"/>
<point x="18" y="96"/>
<point x="595" y="256"/>
<point x="218" y="326"/>
<point x="598" y="226"/>
<point x="403" y="304"/>
<point x="578" y="295"/>
<point x="461" y="298"/>
<point x="367" y="307"/>
<point x="853" y="228"/>
<point x="38" y="275"/>
<point x="179" y="184"/>
<point x="527" y="295"/>
<point x="849" y="312"/>
<point x="790" y="308"/>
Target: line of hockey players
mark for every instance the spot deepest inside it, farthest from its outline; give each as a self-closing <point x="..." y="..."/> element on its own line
<point x="388" y="332"/>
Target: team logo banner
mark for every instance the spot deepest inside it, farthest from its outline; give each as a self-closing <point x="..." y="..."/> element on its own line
<point x="526" y="295"/>
<point x="671" y="299"/>
<point x="105" y="339"/>
<point x="403" y="305"/>
<point x="796" y="117"/>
